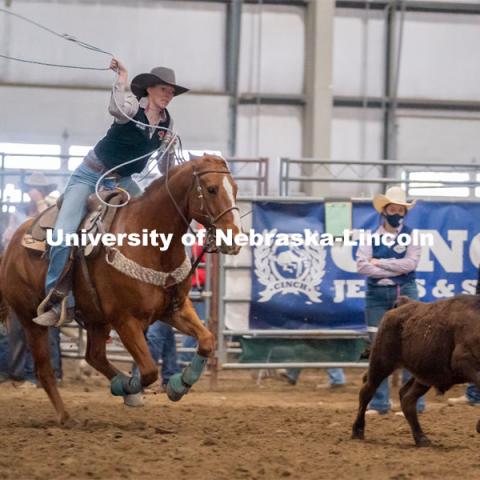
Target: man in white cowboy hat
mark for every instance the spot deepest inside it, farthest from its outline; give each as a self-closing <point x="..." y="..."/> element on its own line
<point x="390" y="270"/>
<point x="127" y="138"/>
<point x="39" y="189"/>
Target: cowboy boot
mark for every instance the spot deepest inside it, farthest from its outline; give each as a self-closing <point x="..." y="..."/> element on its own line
<point x="58" y="313"/>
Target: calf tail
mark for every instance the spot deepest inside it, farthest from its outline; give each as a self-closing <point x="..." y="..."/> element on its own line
<point x="401" y="300"/>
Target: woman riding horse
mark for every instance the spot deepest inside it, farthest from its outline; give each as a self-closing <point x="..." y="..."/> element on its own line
<point x="133" y="285"/>
<point x="125" y="140"/>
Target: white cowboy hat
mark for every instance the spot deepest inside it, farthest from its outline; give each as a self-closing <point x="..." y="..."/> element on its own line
<point x="38" y="179"/>
<point x="394" y="195"/>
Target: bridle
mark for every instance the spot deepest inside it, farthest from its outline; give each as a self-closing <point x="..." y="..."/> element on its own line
<point x="211" y="220"/>
<point x="204" y="207"/>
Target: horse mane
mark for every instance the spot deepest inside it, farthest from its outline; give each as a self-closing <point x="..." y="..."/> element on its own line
<point x="197" y="163"/>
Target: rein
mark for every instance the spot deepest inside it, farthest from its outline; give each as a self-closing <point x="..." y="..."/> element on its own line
<point x="209" y="245"/>
<point x="170" y="279"/>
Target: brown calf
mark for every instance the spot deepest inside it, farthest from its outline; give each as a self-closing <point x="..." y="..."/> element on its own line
<point x="439" y="343"/>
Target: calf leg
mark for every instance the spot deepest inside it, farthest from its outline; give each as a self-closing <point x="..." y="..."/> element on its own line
<point x="384" y="358"/>
<point x="377" y="372"/>
<point x="466" y="365"/>
<point x="412" y="391"/>
<point x="404" y="388"/>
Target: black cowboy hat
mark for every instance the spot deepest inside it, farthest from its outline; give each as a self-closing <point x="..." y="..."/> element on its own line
<point x="157" y="76"/>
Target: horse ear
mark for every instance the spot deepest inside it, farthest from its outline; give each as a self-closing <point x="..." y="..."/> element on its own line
<point x="193" y="157"/>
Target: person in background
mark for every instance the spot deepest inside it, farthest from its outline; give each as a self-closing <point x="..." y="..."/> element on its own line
<point x="336" y="377"/>
<point x="21" y="366"/>
<point x="198" y="284"/>
<point x="472" y="393"/>
<point x="390" y="271"/>
<point x="4" y="353"/>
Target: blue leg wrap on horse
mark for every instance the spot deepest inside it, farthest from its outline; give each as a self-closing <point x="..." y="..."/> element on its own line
<point x="194" y="371"/>
<point x="180" y="383"/>
<point x="121" y="385"/>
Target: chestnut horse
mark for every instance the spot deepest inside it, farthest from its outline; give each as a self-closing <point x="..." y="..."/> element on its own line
<point x="201" y="189"/>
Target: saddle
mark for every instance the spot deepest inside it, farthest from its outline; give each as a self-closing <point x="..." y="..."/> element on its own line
<point x="98" y="216"/>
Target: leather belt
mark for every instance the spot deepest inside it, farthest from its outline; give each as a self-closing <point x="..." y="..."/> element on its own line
<point x="97" y="166"/>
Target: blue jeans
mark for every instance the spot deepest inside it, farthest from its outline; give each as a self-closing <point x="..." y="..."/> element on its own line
<point x="336" y="376"/>
<point x="4" y="353"/>
<point x="74" y="207"/>
<point x="378" y="301"/>
<point x="161" y="343"/>
<point x="21" y="365"/>
<point x="472" y="393"/>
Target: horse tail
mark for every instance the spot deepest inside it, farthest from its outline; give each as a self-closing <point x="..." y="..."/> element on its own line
<point x="4" y="310"/>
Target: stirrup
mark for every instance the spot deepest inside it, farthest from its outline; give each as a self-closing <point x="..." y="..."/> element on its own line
<point x="63" y="317"/>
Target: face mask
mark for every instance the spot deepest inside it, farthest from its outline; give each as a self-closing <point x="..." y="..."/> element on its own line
<point x="394" y="220"/>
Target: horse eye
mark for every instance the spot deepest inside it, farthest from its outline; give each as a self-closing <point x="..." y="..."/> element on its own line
<point x="212" y="190"/>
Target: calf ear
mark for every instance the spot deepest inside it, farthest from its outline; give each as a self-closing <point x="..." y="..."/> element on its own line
<point x="193" y="157"/>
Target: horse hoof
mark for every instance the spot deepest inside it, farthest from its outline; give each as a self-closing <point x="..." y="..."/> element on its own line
<point x="358" y="435"/>
<point x="423" y="442"/>
<point x="175" y="388"/>
<point x="66" y="421"/>
<point x="134" y="400"/>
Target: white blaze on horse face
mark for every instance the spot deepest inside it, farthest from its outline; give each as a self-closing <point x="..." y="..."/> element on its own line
<point x="236" y="216"/>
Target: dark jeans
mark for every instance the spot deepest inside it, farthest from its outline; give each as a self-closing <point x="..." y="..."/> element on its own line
<point x="336" y="376"/>
<point x="4" y="353"/>
<point x="161" y="343"/>
<point x="21" y="365"/>
<point x="473" y="394"/>
<point x="378" y="301"/>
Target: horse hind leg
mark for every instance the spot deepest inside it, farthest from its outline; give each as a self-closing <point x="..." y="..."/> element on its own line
<point x="96" y="355"/>
<point x="133" y="338"/>
<point x="37" y="338"/>
<point x="409" y="396"/>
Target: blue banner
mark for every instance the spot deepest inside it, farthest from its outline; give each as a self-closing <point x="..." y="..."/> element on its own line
<point x="302" y="287"/>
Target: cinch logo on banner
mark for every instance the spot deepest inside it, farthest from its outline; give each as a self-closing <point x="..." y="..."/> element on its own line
<point x="307" y="286"/>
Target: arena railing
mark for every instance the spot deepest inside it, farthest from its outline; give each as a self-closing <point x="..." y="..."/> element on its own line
<point x="308" y="171"/>
<point x="246" y="171"/>
<point x="372" y="174"/>
<point x="234" y="302"/>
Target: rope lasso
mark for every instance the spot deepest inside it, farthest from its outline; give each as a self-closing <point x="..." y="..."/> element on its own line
<point x="88" y="46"/>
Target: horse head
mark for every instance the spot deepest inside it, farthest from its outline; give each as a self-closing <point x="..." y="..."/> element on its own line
<point x="212" y="200"/>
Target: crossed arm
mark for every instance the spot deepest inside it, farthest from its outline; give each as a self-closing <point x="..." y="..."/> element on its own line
<point x="387" y="267"/>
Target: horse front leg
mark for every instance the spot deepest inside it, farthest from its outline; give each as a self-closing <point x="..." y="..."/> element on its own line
<point x="130" y="330"/>
<point x="187" y="321"/>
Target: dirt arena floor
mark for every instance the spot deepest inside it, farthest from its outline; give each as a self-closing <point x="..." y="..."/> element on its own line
<point x="238" y="431"/>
